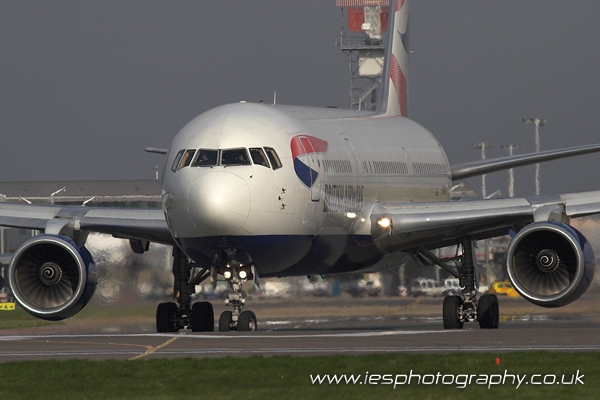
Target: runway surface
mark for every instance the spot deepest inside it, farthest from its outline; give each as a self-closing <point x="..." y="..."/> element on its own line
<point x="418" y="332"/>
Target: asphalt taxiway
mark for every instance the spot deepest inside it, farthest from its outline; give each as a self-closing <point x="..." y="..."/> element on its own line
<point x="419" y="331"/>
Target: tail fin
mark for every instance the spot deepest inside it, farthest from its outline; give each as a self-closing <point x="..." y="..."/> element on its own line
<point x="394" y="81"/>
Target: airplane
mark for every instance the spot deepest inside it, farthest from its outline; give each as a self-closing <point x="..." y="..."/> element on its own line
<point x="251" y="191"/>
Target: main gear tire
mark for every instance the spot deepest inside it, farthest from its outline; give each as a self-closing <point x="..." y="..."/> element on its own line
<point x="488" y="312"/>
<point x="203" y="317"/>
<point x="450" y="312"/>
<point x="166" y="315"/>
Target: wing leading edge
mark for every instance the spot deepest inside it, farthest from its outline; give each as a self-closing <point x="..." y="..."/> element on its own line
<point x="148" y="225"/>
<point x="476" y="168"/>
<point x="396" y="227"/>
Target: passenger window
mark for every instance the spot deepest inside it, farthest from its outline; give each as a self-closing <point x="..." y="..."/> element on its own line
<point x="235" y="157"/>
<point x="176" y="160"/>
<point x="186" y="159"/>
<point x="273" y="157"/>
<point x="206" y="158"/>
<point x="259" y="157"/>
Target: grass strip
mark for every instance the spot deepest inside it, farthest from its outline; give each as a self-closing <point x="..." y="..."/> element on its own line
<point x="19" y="318"/>
<point x="289" y="377"/>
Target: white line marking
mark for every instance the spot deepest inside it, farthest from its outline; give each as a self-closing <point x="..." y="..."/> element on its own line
<point x="188" y="335"/>
<point x="299" y="351"/>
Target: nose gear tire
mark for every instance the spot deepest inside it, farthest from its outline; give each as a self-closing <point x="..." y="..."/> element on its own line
<point x="247" y="321"/>
<point x="225" y="321"/>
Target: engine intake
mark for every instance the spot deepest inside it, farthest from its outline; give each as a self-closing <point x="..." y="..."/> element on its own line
<point x="550" y="264"/>
<point x="52" y="277"/>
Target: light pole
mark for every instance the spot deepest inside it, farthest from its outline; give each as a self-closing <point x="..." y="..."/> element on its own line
<point x="482" y="146"/>
<point x="62" y="189"/>
<point x="511" y="176"/>
<point x="88" y="200"/>
<point x="496" y="193"/>
<point x="537" y="122"/>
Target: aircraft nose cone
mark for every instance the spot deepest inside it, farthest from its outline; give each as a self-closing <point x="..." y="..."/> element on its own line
<point x="218" y="203"/>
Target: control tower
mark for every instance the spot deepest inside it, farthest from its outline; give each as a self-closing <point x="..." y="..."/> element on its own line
<point x="363" y="42"/>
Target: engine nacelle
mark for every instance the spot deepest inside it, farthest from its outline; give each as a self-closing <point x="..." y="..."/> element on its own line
<point x="550" y="264"/>
<point x="52" y="277"/>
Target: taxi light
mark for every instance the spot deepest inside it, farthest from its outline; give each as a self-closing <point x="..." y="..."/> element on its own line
<point x="384" y="222"/>
<point x="351" y="215"/>
<point x="243" y="274"/>
<point x="227" y="274"/>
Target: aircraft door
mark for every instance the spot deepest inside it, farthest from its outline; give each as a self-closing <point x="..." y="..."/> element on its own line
<point x="408" y="187"/>
<point x="354" y="159"/>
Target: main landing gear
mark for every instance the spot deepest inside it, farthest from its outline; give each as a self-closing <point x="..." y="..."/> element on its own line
<point x="171" y="317"/>
<point x="465" y="308"/>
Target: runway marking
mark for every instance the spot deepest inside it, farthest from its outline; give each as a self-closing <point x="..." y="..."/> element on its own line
<point x="151" y="349"/>
<point x="236" y="336"/>
<point x="271" y="351"/>
<point x="95" y="343"/>
<point x="384" y="350"/>
<point x="525" y="317"/>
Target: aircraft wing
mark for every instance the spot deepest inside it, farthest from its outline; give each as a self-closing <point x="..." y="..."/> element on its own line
<point x="139" y="224"/>
<point x="396" y="227"/>
<point x="476" y="168"/>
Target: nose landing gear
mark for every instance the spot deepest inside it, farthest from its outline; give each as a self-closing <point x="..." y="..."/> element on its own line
<point x="171" y="317"/>
<point x="235" y="275"/>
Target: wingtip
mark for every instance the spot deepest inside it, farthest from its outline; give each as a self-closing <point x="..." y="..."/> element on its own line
<point x="155" y="150"/>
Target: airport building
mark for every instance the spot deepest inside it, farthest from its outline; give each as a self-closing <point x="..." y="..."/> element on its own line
<point x="132" y="193"/>
<point x="124" y="194"/>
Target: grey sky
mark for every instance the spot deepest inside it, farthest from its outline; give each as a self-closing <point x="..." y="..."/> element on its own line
<point x="87" y="85"/>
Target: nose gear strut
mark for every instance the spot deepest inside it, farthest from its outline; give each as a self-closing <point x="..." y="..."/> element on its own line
<point x="235" y="275"/>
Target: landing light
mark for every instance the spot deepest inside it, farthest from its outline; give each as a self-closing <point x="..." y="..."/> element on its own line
<point x="384" y="222"/>
<point x="351" y="215"/>
<point x="227" y="274"/>
<point x="243" y="274"/>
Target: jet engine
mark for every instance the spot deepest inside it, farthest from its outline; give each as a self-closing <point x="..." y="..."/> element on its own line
<point x="550" y="264"/>
<point x="52" y="277"/>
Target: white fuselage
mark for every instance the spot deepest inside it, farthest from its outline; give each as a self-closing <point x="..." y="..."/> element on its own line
<point x="310" y="215"/>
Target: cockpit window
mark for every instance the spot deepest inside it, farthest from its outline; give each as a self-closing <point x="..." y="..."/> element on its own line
<point x="273" y="157"/>
<point x="259" y="157"/>
<point x="176" y="160"/>
<point x="206" y="158"/>
<point x="213" y="157"/>
<point x="235" y="157"/>
<point x="186" y="159"/>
